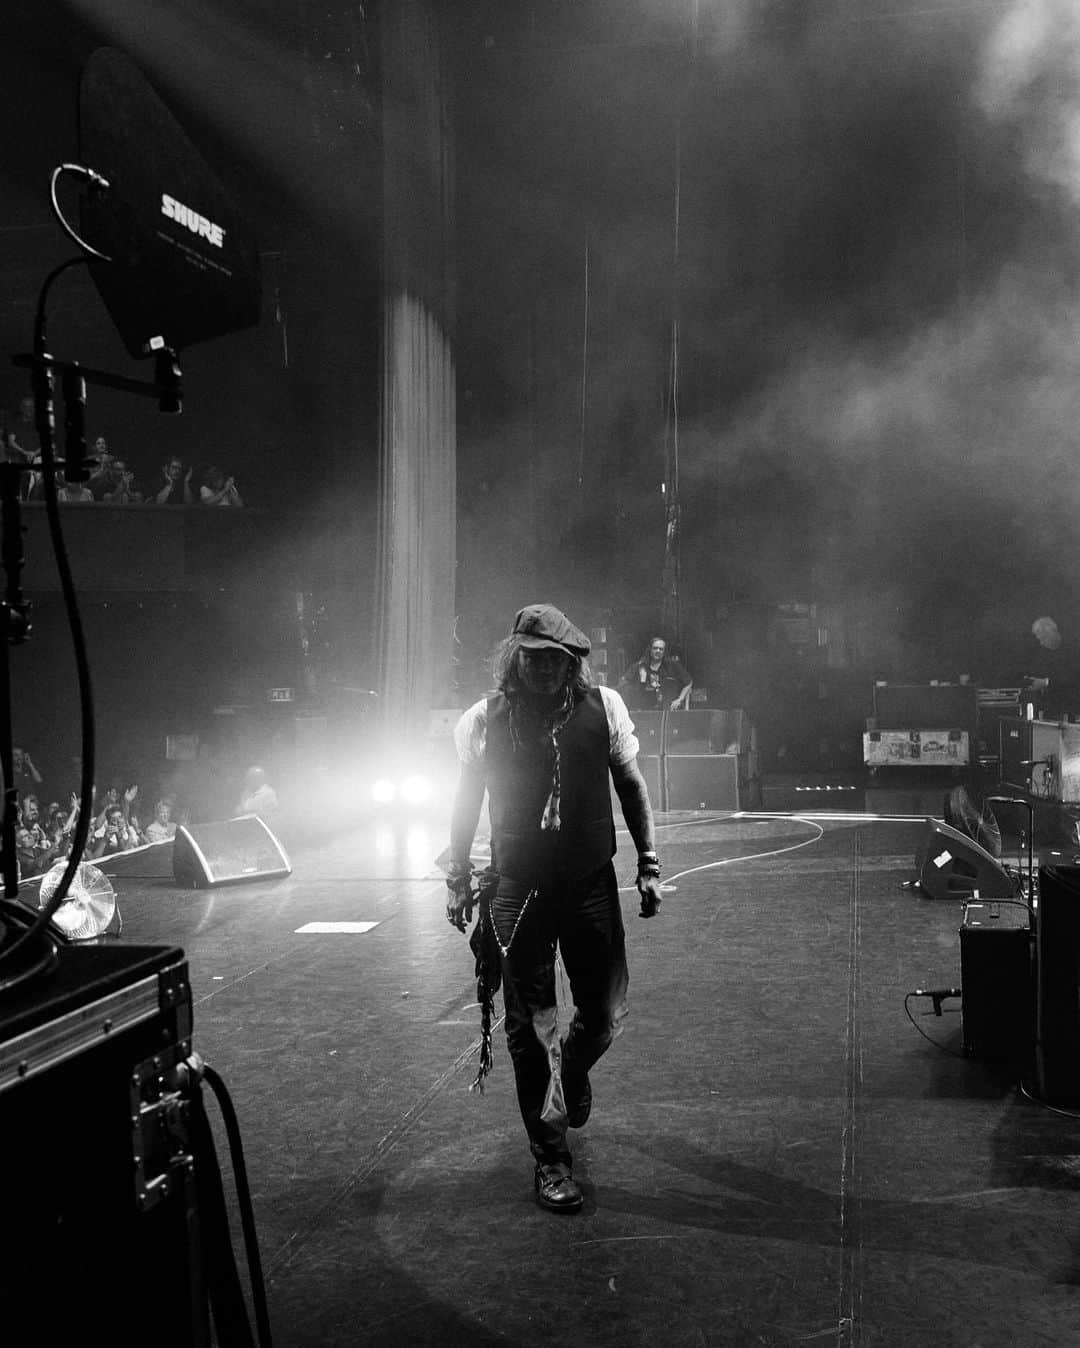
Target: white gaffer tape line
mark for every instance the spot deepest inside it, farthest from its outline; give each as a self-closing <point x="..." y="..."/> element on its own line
<point x="334" y="928"/>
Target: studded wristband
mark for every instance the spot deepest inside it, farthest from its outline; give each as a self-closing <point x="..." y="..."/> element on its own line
<point x="648" y="865"/>
<point x="459" y="876"/>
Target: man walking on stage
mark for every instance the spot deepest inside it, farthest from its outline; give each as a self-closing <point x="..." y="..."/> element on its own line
<point x="543" y="747"/>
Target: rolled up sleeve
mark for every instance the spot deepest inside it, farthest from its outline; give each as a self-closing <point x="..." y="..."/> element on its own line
<point x="470" y="734"/>
<point x="622" y="740"/>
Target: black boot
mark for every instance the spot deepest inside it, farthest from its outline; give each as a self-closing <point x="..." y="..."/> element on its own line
<point x="577" y="1093"/>
<point x="555" y="1187"/>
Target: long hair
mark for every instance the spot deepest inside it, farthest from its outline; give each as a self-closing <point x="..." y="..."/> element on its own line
<point x="505" y="670"/>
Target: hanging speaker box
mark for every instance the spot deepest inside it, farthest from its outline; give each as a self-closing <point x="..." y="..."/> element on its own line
<point x="950" y="865"/>
<point x="228" y="852"/>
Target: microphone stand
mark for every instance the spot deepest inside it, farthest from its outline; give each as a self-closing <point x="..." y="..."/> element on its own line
<point x="14" y="629"/>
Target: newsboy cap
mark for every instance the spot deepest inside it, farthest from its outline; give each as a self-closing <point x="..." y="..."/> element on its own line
<point x="540" y="625"/>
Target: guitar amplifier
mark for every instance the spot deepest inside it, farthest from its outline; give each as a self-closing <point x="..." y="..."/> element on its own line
<point x="997" y="1007"/>
<point x="1041" y="758"/>
<point x="100" y="1179"/>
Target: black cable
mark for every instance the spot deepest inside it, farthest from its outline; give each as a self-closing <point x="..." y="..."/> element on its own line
<point x="42" y="382"/>
<point x="219" y="1274"/>
<point x="1065" y="1113"/>
<point x="243" y="1194"/>
<point x="929" y="1038"/>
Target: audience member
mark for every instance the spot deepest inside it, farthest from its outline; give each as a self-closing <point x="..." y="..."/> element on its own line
<point x="123" y="491"/>
<point x="218" y="490"/>
<point x="176" y="489"/>
<point x="74" y="492"/>
<point x="103" y="478"/>
<point x="24" y="429"/>
<point x="257" y="796"/>
<point x="35" y="486"/>
<point x="161" y="828"/>
<point x="24" y="776"/>
<point x="36" y="851"/>
<point x="127" y="803"/>
<point x="54" y="825"/>
<point x="12" y="452"/>
<point x="112" y="480"/>
<point x="114" y="835"/>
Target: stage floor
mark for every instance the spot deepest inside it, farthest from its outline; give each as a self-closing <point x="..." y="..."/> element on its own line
<point x="775" y="1155"/>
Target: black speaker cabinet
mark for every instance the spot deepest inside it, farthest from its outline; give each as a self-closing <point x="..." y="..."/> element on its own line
<point x="1015" y="751"/>
<point x="702" y="781"/>
<point x="689" y="731"/>
<point x="98" y="1178"/>
<point x="950" y="865"/>
<point x="227" y="853"/>
<point x="731" y="732"/>
<point x="649" y="728"/>
<point x="1057" y="973"/>
<point x="997" y="1009"/>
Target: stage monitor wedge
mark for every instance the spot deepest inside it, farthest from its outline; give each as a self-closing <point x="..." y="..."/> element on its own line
<point x="227" y="852"/>
<point x="185" y="265"/>
<point x="950" y="865"/>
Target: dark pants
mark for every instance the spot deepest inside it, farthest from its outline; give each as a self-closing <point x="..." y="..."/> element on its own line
<point x="583" y="919"/>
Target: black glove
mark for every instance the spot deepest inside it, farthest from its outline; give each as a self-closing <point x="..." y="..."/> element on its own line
<point x="460" y="899"/>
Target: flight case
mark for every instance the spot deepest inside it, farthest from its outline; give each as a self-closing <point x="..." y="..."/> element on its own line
<point x="101" y="1222"/>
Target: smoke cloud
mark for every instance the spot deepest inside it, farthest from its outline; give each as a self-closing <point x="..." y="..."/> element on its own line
<point x="875" y="277"/>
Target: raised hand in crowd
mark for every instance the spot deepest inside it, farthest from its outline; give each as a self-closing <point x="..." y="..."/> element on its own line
<point x="219" y="490"/>
<point x="25" y="769"/>
<point x="176" y="489"/>
<point x="113" y="835"/>
<point x="122" y="489"/>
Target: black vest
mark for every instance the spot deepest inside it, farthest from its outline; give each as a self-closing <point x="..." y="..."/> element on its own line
<point x="519" y="784"/>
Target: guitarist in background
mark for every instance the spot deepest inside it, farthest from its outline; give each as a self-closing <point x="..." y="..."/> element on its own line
<point x="657" y="681"/>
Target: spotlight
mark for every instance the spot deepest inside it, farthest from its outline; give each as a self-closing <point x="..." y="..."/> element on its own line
<point x="383" y="791"/>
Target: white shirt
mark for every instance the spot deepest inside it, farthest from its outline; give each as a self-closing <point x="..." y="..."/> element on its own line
<point x="470" y="733"/>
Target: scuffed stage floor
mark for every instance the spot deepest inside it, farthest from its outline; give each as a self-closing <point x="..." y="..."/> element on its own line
<point x="775" y="1155"/>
